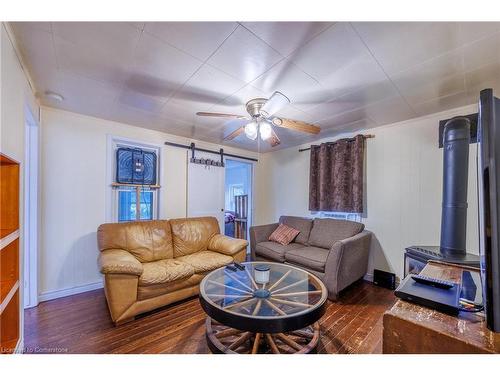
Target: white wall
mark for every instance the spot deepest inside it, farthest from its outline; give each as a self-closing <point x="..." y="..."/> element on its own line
<point x="15" y="96"/>
<point x="16" y="93"/>
<point x="403" y="188"/>
<point x="73" y="193"/>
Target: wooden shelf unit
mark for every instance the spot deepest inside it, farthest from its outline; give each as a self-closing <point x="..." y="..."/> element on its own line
<point x="9" y="265"/>
<point x="9" y="255"/>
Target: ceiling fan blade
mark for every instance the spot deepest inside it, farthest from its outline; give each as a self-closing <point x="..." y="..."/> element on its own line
<point x="234" y="134"/>
<point x="273" y="140"/>
<point x="300" y="126"/>
<point x="215" y="114"/>
<point x="275" y="103"/>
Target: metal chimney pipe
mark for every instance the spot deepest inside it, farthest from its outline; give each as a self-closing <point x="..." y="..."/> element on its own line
<point x="456" y="139"/>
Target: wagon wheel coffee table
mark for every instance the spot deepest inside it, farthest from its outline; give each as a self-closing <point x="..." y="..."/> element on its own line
<point x="263" y="308"/>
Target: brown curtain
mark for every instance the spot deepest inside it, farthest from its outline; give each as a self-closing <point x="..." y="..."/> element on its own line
<point x="336" y="176"/>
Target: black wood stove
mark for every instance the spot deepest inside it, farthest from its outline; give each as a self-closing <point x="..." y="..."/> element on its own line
<point x="456" y="139"/>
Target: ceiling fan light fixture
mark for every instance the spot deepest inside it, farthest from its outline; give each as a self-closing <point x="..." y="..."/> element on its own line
<point x="262" y="118"/>
<point x="251" y="130"/>
<point x="265" y="130"/>
<point x="277" y="121"/>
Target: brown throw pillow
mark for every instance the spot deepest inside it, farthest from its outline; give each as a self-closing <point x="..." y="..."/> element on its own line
<point x="284" y="234"/>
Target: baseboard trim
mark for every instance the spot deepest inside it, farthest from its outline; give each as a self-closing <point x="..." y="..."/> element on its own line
<point x="47" y="296"/>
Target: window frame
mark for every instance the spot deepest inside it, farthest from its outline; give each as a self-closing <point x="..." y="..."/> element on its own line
<point x="113" y="189"/>
<point x="137" y="190"/>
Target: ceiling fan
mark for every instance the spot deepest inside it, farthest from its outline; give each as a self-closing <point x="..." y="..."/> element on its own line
<point x="262" y="119"/>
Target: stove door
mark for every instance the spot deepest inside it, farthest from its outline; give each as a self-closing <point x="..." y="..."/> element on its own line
<point x="414" y="264"/>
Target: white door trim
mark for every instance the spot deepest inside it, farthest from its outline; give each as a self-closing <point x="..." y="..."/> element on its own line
<point x="31" y="204"/>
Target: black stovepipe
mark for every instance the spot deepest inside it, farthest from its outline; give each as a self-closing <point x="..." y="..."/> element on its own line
<point x="456" y="139"/>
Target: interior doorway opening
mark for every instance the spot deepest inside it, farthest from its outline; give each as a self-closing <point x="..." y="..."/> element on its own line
<point x="238" y="198"/>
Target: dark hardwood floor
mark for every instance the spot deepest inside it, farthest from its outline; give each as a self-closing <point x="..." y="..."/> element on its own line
<point x="81" y="324"/>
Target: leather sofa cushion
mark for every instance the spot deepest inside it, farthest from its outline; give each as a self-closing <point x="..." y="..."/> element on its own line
<point x="204" y="261"/>
<point x="226" y="245"/>
<point x="154" y="290"/>
<point x="325" y="232"/>
<point x="192" y="235"/>
<point x="148" y="241"/>
<point x="119" y="261"/>
<point x="274" y="250"/>
<point x="302" y="224"/>
<point x="165" y="271"/>
<point x="308" y="257"/>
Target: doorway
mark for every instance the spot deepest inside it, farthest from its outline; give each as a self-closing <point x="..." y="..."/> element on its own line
<point x="31" y="163"/>
<point x="238" y="198"/>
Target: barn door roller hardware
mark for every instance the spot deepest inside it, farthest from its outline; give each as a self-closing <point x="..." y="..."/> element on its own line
<point x="221" y="152"/>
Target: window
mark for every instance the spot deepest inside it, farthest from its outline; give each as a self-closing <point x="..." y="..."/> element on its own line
<point x="129" y="209"/>
<point x="132" y="201"/>
<point x="337" y="215"/>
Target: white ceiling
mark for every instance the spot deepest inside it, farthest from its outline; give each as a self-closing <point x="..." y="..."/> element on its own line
<point x="340" y="76"/>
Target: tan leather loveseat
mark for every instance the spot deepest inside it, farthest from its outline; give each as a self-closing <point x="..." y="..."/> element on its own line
<point x="150" y="264"/>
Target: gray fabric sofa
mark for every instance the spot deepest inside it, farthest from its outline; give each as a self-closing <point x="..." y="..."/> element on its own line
<point x="334" y="250"/>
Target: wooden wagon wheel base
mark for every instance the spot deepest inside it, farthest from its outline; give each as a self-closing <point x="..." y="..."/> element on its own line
<point x="223" y="339"/>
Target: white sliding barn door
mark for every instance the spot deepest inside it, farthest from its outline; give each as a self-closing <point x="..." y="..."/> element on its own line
<point x="205" y="195"/>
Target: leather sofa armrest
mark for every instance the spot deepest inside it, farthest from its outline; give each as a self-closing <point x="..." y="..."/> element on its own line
<point x="259" y="234"/>
<point x="119" y="261"/>
<point x="347" y="262"/>
<point x="226" y="245"/>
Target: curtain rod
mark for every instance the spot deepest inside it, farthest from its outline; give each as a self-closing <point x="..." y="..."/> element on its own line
<point x="350" y="140"/>
<point x="220" y="152"/>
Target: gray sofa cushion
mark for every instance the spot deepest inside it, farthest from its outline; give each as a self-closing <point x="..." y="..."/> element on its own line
<point x="274" y="250"/>
<point x="300" y="223"/>
<point x="308" y="257"/>
<point x="325" y="232"/>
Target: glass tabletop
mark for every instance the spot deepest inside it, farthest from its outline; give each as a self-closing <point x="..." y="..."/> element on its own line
<point x="263" y="290"/>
